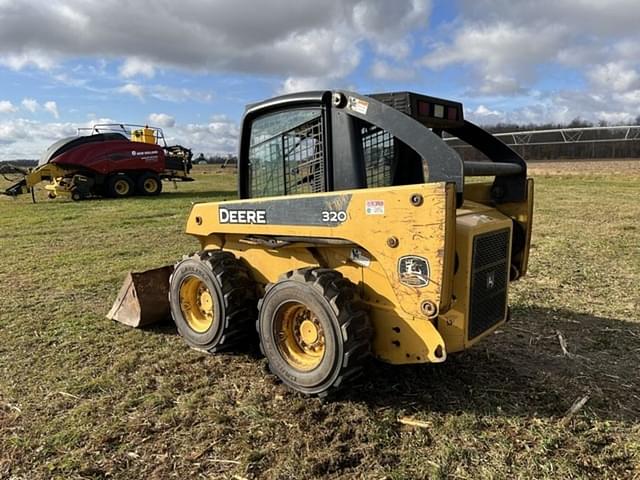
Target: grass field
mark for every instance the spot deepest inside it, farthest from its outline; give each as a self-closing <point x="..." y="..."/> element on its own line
<point x="83" y="397"/>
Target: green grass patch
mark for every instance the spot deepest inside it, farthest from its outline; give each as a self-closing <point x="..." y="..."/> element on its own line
<point x="83" y="397"/>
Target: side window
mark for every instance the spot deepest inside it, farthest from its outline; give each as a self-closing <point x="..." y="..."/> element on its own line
<point x="286" y="153"/>
<point x="380" y="151"/>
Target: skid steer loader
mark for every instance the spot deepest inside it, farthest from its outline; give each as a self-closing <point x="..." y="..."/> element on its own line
<point x="355" y="233"/>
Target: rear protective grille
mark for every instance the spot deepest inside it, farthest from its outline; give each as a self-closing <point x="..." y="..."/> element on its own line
<point x="488" y="281"/>
<point x="380" y="156"/>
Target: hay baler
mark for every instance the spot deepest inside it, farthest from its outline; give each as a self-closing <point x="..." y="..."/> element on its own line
<point x="113" y="160"/>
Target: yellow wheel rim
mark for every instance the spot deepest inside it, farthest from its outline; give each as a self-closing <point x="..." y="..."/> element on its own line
<point x="196" y="304"/>
<point x="299" y="336"/>
<point x="150" y="185"/>
<point x="121" y="187"/>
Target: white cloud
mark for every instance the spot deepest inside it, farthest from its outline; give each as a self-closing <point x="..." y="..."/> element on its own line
<point x="21" y="138"/>
<point x="11" y="132"/>
<point x="504" y="54"/>
<point x="510" y="45"/>
<point x="7" y="107"/>
<point x="386" y="25"/>
<point x="302" y="84"/>
<point x="133" y="89"/>
<point x="177" y="95"/>
<point x="134" y="66"/>
<point x="302" y="39"/>
<point x="616" y="76"/>
<point x="30" y="104"/>
<point x="616" y="117"/>
<point x="485" y="112"/>
<point x="52" y="108"/>
<point x="383" y="70"/>
<point x="562" y="107"/>
<point x="19" y="59"/>
<point x="220" y="136"/>
<point x="496" y="84"/>
<point x="165" y="93"/>
<point x="163" y="120"/>
<point x="630" y="98"/>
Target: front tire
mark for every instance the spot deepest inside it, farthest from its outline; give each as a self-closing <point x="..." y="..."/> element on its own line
<point x="213" y="301"/>
<point x="312" y="330"/>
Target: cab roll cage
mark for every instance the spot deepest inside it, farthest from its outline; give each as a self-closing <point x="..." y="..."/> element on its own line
<point x="341" y="107"/>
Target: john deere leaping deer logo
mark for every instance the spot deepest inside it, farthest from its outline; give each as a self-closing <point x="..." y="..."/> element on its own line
<point x="413" y="271"/>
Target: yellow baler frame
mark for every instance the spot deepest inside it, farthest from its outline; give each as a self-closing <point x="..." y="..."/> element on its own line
<point x="47" y="172"/>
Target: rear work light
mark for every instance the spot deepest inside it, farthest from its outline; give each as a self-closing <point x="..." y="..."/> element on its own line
<point x="430" y="111"/>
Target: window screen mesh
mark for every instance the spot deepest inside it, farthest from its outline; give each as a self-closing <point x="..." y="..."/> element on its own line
<point x="267" y="174"/>
<point x="380" y="156"/>
<point x="290" y="162"/>
<point x="304" y="158"/>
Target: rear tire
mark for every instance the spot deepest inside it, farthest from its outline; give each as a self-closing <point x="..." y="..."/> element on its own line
<point x="149" y="184"/>
<point x="213" y="301"/>
<point x="313" y="332"/>
<point x="119" y="185"/>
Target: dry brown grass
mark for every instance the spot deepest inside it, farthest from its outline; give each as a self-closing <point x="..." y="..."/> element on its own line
<point x="81" y="397"/>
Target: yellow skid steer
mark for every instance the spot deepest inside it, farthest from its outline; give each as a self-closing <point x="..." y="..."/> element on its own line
<point x="355" y="234"/>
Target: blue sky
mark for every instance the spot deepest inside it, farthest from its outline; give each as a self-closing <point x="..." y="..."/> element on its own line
<point x="191" y="66"/>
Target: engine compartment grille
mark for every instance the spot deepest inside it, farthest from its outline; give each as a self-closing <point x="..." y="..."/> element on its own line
<point x="489" y="279"/>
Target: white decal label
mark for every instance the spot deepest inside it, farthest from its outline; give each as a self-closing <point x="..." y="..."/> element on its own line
<point x="142" y="154"/>
<point x="374" y="207"/>
<point x="358" y="105"/>
<point x="241" y="216"/>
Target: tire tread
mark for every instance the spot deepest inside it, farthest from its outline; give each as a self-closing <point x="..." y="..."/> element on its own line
<point x="239" y="297"/>
<point x="341" y="295"/>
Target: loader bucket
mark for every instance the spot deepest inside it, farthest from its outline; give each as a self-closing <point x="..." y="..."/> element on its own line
<point x="143" y="298"/>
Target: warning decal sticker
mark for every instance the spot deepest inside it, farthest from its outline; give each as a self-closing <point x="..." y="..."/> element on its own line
<point x="374" y="207"/>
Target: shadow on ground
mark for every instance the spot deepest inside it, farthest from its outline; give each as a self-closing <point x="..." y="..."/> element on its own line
<point x="522" y="371"/>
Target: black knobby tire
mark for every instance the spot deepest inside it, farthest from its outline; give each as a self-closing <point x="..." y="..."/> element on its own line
<point x="149" y="184"/>
<point x="233" y="292"/>
<point x="346" y="329"/>
<point x="116" y="185"/>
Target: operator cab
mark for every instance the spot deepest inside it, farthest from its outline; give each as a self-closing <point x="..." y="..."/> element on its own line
<point x="329" y="141"/>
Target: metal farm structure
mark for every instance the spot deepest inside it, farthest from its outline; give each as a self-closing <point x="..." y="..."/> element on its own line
<point x="582" y="142"/>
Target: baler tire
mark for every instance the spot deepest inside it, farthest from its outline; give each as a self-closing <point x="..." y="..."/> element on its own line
<point x="342" y="328"/>
<point x="114" y="184"/>
<point x="146" y="182"/>
<point x="232" y="292"/>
